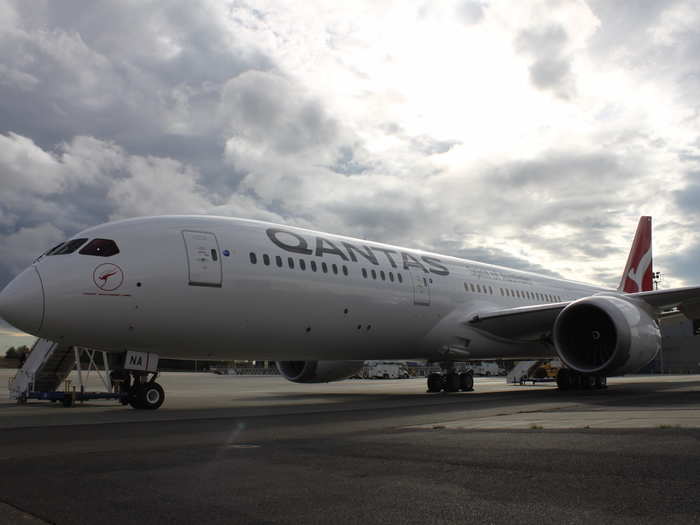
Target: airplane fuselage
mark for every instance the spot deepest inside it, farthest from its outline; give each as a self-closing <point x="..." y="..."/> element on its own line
<point x="222" y="288"/>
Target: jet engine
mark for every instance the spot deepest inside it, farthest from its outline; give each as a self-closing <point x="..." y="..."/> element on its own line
<point x="606" y="335"/>
<point x="318" y="371"/>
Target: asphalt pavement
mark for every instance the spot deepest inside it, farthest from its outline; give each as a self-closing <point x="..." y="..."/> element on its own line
<point x="263" y="450"/>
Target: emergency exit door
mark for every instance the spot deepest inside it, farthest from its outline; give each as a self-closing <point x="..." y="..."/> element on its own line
<point x="203" y="258"/>
<point x="421" y="287"/>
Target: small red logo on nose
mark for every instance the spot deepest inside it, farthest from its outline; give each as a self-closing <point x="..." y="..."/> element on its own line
<point x="108" y="277"/>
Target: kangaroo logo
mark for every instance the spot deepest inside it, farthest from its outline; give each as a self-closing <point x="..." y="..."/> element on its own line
<point x="636" y="275"/>
<point x="108" y="277"/>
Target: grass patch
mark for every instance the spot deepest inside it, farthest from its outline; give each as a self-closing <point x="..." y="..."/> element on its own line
<point x="535" y="426"/>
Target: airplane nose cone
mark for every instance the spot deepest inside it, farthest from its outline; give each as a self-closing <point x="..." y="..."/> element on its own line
<point x="22" y="302"/>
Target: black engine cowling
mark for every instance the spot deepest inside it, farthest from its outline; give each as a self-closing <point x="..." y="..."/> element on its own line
<point x="606" y="335"/>
<point x="318" y="371"/>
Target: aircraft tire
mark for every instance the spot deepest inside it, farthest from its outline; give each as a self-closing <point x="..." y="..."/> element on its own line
<point x="434" y="382"/>
<point x="466" y="382"/>
<point x="451" y="382"/>
<point x="151" y="396"/>
<point x="563" y="379"/>
<point x="134" y="398"/>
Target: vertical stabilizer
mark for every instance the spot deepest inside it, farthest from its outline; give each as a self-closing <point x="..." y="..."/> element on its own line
<point x="638" y="276"/>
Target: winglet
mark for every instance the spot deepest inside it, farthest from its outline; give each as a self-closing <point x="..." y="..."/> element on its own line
<point x="638" y="274"/>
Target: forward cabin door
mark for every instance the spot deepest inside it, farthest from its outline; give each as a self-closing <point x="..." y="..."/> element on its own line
<point x="421" y="287"/>
<point x="203" y="258"/>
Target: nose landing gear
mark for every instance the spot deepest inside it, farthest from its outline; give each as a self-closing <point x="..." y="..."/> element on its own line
<point x="146" y="394"/>
<point x="136" y="381"/>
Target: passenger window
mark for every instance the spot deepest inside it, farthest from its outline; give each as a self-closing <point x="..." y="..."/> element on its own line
<point x="98" y="247"/>
<point x="382" y="275"/>
<point x="214" y="256"/>
<point x="290" y="262"/>
<point x="399" y="277"/>
<point x="278" y="260"/>
<point x="253" y="258"/>
<point x="335" y="269"/>
<point x="364" y="273"/>
<point x="374" y="274"/>
<point x="391" y="276"/>
<point x="324" y="267"/>
<point x="313" y="266"/>
<point x="302" y="264"/>
<point x="266" y="260"/>
<point x="345" y="270"/>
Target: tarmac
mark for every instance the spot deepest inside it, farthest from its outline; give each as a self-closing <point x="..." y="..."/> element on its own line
<point x="227" y="449"/>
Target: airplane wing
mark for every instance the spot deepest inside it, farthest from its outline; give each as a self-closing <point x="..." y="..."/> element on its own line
<point x="534" y="323"/>
<point x="525" y="323"/>
<point x="686" y="300"/>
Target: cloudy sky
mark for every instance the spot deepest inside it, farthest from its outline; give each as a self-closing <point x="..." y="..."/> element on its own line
<point x="531" y="134"/>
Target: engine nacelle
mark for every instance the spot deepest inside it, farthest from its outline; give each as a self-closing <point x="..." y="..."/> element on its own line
<point x="606" y="335"/>
<point x="318" y="371"/>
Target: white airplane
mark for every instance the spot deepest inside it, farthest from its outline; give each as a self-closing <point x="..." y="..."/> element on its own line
<point x="320" y="304"/>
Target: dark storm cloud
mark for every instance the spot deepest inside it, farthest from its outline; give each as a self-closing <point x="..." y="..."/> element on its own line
<point x="550" y="68"/>
<point x="100" y="70"/>
<point x="268" y="109"/>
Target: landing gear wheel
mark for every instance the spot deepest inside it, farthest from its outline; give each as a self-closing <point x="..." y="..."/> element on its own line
<point x="146" y="396"/>
<point x="434" y="382"/>
<point x="135" y="396"/>
<point x="564" y="379"/>
<point x="451" y="382"/>
<point x="466" y="382"/>
<point x="151" y="396"/>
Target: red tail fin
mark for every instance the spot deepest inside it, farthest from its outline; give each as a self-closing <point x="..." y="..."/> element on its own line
<point x="637" y="276"/>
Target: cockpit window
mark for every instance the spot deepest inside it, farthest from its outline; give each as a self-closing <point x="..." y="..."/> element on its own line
<point x="52" y="250"/>
<point x="101" y="248"/>
<point x="67" y="247"/>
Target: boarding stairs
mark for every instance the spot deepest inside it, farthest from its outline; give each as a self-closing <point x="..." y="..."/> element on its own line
<point x="521" y="371"/>
<point x="48" y="365"/>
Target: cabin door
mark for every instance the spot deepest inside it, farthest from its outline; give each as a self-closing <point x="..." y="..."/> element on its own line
<point x="203" y="258"/>
<point x="421" y="287"/>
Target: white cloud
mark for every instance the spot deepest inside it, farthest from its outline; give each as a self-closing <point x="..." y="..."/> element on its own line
<point x="532" y="131"/>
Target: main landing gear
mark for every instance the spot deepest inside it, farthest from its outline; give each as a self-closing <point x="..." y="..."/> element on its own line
<point x="449" y="380"/>
<point x="570" y="380"/>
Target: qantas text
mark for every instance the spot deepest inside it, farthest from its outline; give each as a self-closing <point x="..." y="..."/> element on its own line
<point x="295" y="243"/>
